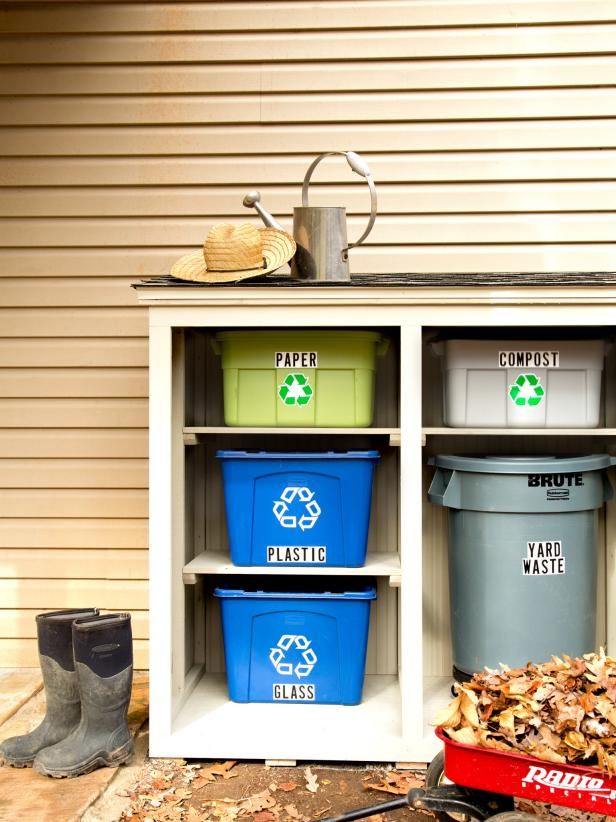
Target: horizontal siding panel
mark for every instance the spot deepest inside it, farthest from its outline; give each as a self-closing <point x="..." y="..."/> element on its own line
<point x="505" y="104"/>
<point x="21" y="623"/>
<point x="66" y="472"/>
<point x="460" y="259"/>
<point x="290" y="16"/>
<point x="311" y="77"/>
<point x="56" y="563"/>
<point x="108" y="291"/>
<point x="364" y="260"/>
<point x="23" y="653"/>
<point x="73" y="382"/>
<point x="59" y="353"/>
<point x="272" y="139"/>
<point x="66" y="322"/>
<point x="254" y="171"/>
<point x="101" y="412"/>
<point x="255" y="47"/>
<point x="113" y="503"/>
<point x="191" y="201"/>
<point x="37" y="443"/>
<point x="55" y="594"/>
<point x="411" y="229"/>
<point x="73" y="533"/>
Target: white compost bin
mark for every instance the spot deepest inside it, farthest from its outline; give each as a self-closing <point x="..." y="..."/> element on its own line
<point x="522" y="384"/>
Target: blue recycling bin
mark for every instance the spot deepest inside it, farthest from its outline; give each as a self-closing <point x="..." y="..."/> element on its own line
<point x="290" y="640"/>
<point x="298" y="508"/>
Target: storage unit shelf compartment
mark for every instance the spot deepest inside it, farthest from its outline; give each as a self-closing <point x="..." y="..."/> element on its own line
<point x="409" y="649"/>
<point x="205" y="723"/>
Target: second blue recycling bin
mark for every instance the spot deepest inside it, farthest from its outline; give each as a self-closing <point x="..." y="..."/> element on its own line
<point x="298" y="508"/>
<point x="289" y="640"/>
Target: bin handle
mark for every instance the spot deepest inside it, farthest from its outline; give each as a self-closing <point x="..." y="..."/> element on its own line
<point x="382" y="346"/>
<point x="216" y="346"/>
<point x="445" y="489"/>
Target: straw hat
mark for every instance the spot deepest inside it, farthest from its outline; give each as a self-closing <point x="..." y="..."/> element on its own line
<point x="233" y="252"/>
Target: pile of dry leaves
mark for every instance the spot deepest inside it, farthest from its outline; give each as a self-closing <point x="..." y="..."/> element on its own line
<point x="562" y="711"/>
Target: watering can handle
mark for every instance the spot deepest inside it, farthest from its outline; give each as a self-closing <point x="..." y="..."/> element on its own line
<point x="359" y="166"/>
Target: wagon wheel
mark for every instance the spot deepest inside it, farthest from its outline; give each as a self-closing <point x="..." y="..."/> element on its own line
<point x="435" y="776"/>
<point x="513" y="816"/>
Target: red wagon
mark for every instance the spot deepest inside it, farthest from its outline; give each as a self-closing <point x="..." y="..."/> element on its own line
<point x="466" y="783"/>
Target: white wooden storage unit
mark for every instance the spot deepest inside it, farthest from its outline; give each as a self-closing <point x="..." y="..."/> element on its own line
<point x="409" y="654"/>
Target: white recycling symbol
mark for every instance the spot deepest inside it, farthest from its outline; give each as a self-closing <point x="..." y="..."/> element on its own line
<point x="301" y="643"/>
<point x="312" y="509"/>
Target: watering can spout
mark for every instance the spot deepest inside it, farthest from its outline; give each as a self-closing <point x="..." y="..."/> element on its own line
<point x="253" y="200"/>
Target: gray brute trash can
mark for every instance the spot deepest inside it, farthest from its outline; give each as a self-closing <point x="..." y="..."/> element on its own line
<point x="522" y="555"/>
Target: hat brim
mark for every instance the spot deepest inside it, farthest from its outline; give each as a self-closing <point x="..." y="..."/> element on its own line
<point x="278" y="248"/>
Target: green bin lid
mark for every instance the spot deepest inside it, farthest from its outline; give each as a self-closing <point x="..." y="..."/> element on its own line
<point x="523" y="465"/>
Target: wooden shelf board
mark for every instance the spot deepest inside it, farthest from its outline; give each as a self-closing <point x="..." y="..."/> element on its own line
<point x="218" y="562"/>
<point x="194" y="434"/>
<point x="209" y="726"/>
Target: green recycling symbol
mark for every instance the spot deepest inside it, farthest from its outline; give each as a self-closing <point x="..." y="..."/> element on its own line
<point x="295" y="390"/>
<point x="527" y="390"/>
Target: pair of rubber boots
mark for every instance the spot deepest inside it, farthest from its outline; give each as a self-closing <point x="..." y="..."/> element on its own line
<point x="87" y="666"/>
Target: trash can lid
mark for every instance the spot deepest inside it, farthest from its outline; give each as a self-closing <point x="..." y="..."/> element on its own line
<point x="523" y="465"/>
<point x="295" y="455"/>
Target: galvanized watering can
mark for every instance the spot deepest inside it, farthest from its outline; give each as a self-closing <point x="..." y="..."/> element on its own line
<point x="320" y="231"/>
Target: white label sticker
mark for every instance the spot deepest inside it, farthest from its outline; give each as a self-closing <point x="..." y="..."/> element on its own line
<point x="543" y="558"/>
<point x="528" y="359"/>
<point x="293" y="693"/>
<point x="296" y="553"/>
<point x="295" y="359"/>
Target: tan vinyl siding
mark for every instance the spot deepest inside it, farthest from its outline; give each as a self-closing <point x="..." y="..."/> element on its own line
<point x="126" y="129"/>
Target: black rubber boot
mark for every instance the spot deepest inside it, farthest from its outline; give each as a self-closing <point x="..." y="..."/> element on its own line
<point x="103" y="652"/>
<point x="55" y="645"/>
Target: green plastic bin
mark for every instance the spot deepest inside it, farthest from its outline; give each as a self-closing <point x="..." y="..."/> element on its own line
<point x="522" y="555"/>
<point x="297" y="378"/>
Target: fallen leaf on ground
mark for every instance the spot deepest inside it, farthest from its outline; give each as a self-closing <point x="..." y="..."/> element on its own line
<point x="221" y="769"/>
<point x="287" y="786"/>
<point x="312" y="783"/>
<point x="201" y="781"/>
<point x="257" y="802"/>
<point x="292" y="811"/>
<point x="396" y="783"/>
<point x="263" y="816"/>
